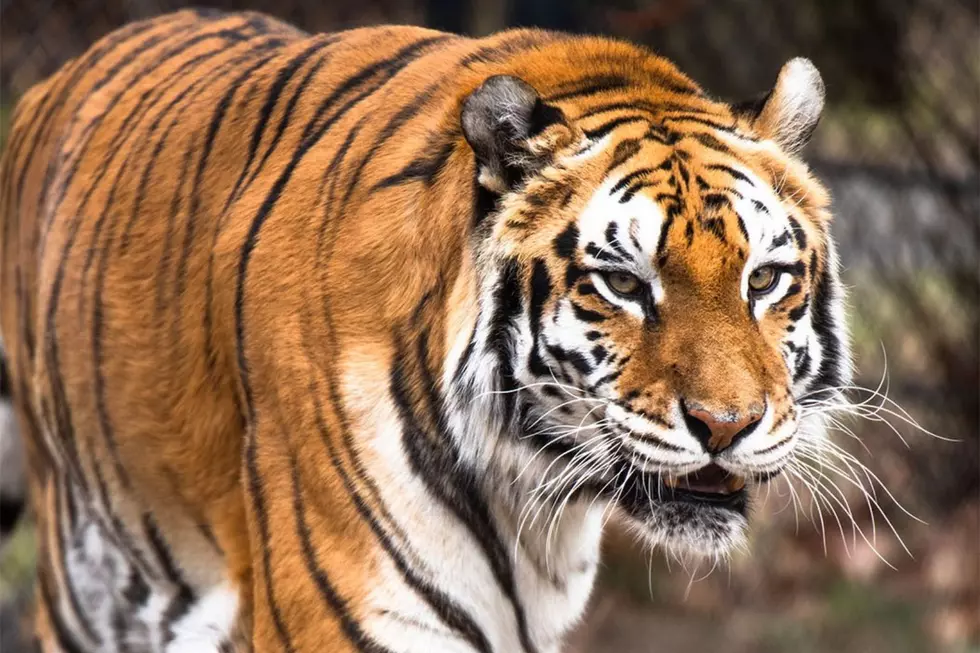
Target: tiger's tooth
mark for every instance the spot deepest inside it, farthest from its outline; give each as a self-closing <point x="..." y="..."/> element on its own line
<point x="670" y="480"/>
<point x="734" y="483"/>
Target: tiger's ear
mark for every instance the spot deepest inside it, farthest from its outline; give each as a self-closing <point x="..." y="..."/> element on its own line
<point x="788" y="113"/>
<point x="499" y="120"/>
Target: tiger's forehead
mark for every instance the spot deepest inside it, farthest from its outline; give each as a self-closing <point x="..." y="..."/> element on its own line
<point x="648" y="188"/>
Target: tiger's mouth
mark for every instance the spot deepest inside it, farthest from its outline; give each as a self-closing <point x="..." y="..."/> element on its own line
<point x="710" y="485"/>
<point x="702" y="513"/>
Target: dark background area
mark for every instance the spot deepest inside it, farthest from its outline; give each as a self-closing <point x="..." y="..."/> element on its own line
<point x="899" y="149"/>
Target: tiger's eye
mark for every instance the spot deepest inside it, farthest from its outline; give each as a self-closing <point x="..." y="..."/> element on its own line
<point x="624" y="284"/>
<point x="763" y="279"/>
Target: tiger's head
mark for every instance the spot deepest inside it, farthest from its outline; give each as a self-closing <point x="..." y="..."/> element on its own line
<point x="659" y="292"/>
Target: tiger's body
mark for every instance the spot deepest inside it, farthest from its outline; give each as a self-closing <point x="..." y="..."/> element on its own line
<point x="304" y="331"/>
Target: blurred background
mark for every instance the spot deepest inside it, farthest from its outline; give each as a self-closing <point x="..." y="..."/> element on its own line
<point x="900" y="150"/>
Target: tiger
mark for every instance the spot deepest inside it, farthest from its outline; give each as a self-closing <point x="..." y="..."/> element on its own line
<point x="357" y="341"/>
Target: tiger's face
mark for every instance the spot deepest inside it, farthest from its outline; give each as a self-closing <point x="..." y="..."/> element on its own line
<point x="678" y="301"/>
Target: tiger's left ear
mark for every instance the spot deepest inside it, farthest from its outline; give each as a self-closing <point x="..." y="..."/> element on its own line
<point x="789" y="113"/>
<point x="499" y="120"/>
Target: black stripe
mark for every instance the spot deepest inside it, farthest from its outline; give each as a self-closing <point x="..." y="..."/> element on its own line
<point x="797" y="268"/>
<point x="630" y="178"/>
<point x="540" y="292"/>
<point x="567" y="242"/>
<point x="593" y="250"/>
<point x="183" y="597"/>
<point x="828" y="374"/>
<point x="715" y="201"/>
<point x="136" y="591"/>
<point x="634" y="189"/>
<point x="591" y="85"/>
<point x="730" y="171"/>
<point x="257" y="491"/>
<point x="116" y="530"/>
<point x="161" y="552"/>
<point x="283" y="77"/>
<point x="387" y="68"/>
<point x="780" y="240"/>
<point x="402" y="116"/>
<point x="716" y="227"/>
<point x="702" y="120"/>
<point x="331" y="173"/>
<point x="741" y="227"/>
<point x="662" y="135"/>
<point x="63" y="427"/>
<point x="176" y="199"/>
<point x="803" y="365"/>
<point x="507" y="306"/>
<point x="62" y="633"/>
<point x="515" y="44"/>
<point x="710" y="142"/>
<point x="597" y="133"/>
<point x="258" y="132"/>
<point x="632" y="105"/>
<point x="625" y="150"/>
<point x="599" y="353"/>
<point x="798" y="233"/>
<point x="5" y="385"/>
<point x="578" y="361"/>
<point x="58" y="519"/>
<point x="611" y="376"/>
<point x="425" y="168"/>
<point x="586" y="315"/>
<point x="352" y="629"/>
<point x="672" y="212"/>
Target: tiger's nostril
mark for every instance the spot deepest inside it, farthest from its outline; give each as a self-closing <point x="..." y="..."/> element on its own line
<point x="718" y="431"/>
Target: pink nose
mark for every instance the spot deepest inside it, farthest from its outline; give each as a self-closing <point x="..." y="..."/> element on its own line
<point x="719" y="432"/>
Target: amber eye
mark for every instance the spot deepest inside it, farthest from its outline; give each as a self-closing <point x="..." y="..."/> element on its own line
<point x="763" y="279"/>
<point x="623" y="284"/>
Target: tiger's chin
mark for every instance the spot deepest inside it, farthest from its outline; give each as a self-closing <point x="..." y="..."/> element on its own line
<point x="704" y="517"/>
<point x="690" y="532"/>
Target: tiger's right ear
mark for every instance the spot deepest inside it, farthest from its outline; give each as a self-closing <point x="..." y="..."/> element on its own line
<point x="499" y="119"/>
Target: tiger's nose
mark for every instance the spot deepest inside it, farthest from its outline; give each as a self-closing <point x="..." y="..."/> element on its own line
<point x="719" y="431"/>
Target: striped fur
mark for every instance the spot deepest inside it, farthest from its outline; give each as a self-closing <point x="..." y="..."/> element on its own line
<point x="313" y="342"/>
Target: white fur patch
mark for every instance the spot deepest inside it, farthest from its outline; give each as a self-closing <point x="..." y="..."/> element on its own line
<point x="208" y="623"/>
